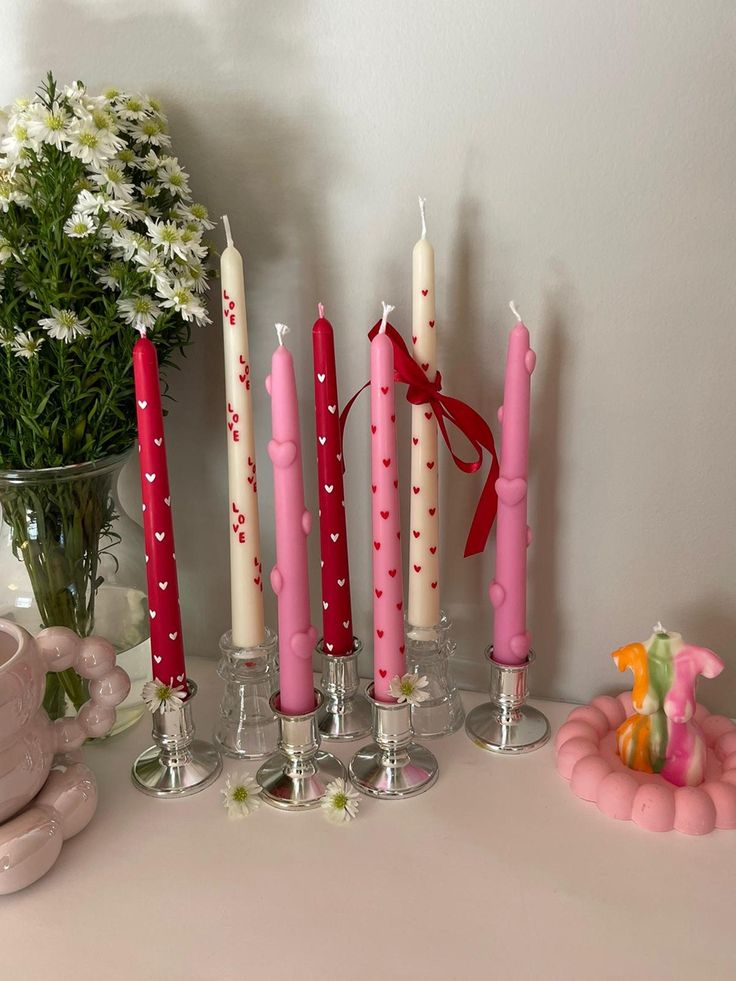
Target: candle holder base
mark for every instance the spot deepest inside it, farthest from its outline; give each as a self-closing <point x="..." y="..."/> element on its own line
<point x="178" y="764"/>
<point x="346" y="714"/>
<point x="393" y="767"/>
<point x="506" y="724"/>
<point x="247" y="728"/>
<point x="296" y="777"/>
<point x="429" y="652"/>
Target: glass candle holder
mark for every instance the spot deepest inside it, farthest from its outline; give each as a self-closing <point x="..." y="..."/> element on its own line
<point x="247" y="727"/>
<point x="429" y="652"/>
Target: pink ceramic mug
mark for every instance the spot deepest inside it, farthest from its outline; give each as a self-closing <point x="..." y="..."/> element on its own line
<point x="30" y="842"/>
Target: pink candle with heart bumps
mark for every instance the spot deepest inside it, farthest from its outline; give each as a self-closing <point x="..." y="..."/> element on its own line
<point x="167" y="649"/>
<point x="389" y="658"/>
<point x="511" y="639"/>
<point x="289" y="577"/>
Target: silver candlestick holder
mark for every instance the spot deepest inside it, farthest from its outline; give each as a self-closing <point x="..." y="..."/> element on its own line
<point x="346" y="714"/>
<point x="247" y="727"/>
<point x="177" y="765"/>
<point x="296" y="777"/>
<point x="429" y="652"/>
<point x="393" y="766"/>
<point x="507" y="724"/>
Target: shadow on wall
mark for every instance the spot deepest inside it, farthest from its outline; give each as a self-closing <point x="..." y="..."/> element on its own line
<point x="257" y="167"/>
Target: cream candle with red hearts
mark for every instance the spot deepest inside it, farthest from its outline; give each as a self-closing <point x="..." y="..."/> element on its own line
<point x="290" y="577"/>
<point x="424" y="593"/>
<point x="389" y="657"/>
<point x="511" y="639"/>
<point x="337" y="627"/>
<point x="246" y="580"/>
<point x="167" y="649"/>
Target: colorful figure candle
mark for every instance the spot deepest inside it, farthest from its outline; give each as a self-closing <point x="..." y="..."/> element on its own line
<point x="662" y="737"/>
<point x="167" y="649"/>
<point x="337" y="626"/>
<point x="289" y="577"/>
<point x="424" y="594"/>
<point x="511" y="639"/>
<point x="246" y="580"/>
<point x="389" y="657"/>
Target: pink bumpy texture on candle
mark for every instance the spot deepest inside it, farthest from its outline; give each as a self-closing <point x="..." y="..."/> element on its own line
<point x="511" y="639"/>
<point x="337" y="626"/>
<point x="289" y="577"/>
<point x="167" y="649"/>
<point x="389" y="658"/>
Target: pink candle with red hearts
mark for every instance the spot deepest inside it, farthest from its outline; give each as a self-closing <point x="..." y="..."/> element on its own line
<point x="337" y="626"/>
<point x="290" y="576"/>
<point x="167" y="649"/>
<point x="511" y="639"/>
<point x="389" y="657"/>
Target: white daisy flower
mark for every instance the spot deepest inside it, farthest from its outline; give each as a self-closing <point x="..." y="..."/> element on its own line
<point x="194" y="213"/>
<point x="91" y="145"/>
<point x="149" y="190"/>
<point x="132" y="107"/>
<point x="151" y="262"/>
<point x="64" y="325"/>
<point x="241" y="796"/>
<point x="183" y="300"/>
<point x="196" y="277"/>
<point x="340" y="803"/>
<point x="141" y="310"/>
<point x="79" y="225"/>
<point x="166" y="235"/>
<point x="18" y="139"/>
<point x="75" y="91"/>
<point x="112" y="180"/>
<point x="409" y="688"/>
<point x="114" y="225"/>
<point x="110" y="276"/>
<point x="160" y="697"/>
<point x="150" y="132"/>
<point x="25" y="345"/>
<point x="150" y="163"/>
<point x="49" y="125"/>
<point x="127" y="244"/>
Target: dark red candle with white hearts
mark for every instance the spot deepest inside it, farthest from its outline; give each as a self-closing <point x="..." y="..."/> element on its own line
<point x="337" y="626"/>
<point x="389" y="657"/>
<point x="167" y="649"/>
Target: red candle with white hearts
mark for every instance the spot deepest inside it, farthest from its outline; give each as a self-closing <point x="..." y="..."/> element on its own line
<point x="290" y="575"/>
<point x="424" y="594"/>
<point x="337" y="627"/>
<point x="389" y="657"/>
<point x="246" y="580"/>
<point x="511" y="639"/>
<point x="167" y="649"/>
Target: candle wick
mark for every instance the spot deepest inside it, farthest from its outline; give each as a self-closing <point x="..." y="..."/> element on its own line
<point x="140" y="327"/>
<point x="384" y="319"/>
<point x="422" y="212"/>
<point x="658" y="628"/>
<point x="228" y="233"/>
<point x="321" y="311"/>
<point x="515" y="312"/>
<point x="281" y="329"/>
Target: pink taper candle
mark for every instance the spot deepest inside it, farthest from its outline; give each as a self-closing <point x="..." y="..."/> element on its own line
<point x="289" y="577"/>
<point x="389" y="658"/>
<point x="511" y="639"/>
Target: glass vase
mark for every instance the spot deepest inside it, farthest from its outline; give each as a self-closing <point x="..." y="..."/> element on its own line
<point x="70" y="556"/>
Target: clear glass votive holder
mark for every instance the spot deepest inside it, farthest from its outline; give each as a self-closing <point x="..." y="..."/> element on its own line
<point x="247" y="727"/>
<point x="429" y="652"/>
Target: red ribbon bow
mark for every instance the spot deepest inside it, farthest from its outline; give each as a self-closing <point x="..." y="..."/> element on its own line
<point x="422" y="391"/>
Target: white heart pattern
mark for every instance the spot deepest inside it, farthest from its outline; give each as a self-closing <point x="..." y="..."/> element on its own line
<point x="322" y="440"/>
<point x="332" y="409"/>
<point x="325" y="605"/>
<point x="346" y="624"/>
<point x="163" y="585"/>
<point x="159" y="441"/>
<point x="150" y="477"/>
<point x="340" y="582"/>
<point x="142" y="404"/>
<point x="160" y="535"/>
<point x="156" y="658"/>
<point x="329" y="488"/>
<point x="152" y="614"/>
<point x="329" y="646"/>
<point x="180" y="677"/>
<point x="320" y="377"/>
<point x="167" y="501"/>
<point x="334" y="535"/>
<point x="174" y="635"/>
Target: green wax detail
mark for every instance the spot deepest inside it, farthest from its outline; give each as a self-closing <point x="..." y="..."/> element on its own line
<point x="659" y="657"/>
<point x="657" y="740"/>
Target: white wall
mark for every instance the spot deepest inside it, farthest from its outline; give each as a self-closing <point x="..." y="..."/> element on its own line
<point x="578" y="156"/>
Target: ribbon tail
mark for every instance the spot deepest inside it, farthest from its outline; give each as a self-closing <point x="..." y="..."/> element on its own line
<point x="485" y="512"/>
<point x="344" y="419"/>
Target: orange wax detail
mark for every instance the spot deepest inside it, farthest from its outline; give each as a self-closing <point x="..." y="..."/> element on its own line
<point x="633" y="742"/>
<point x="634" y="656"/>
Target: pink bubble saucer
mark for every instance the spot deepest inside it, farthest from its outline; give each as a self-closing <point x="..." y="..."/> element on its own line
<point x="585" y="748"/>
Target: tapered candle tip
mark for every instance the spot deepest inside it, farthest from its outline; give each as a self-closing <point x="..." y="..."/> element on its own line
<point x="321" y="310"/>
<point x="281" y="329"/>
<point x="423" y="213"/>
<point x="512" y="307"/>
<point x="384" y="319"/>
<point x="228" y="233"/>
